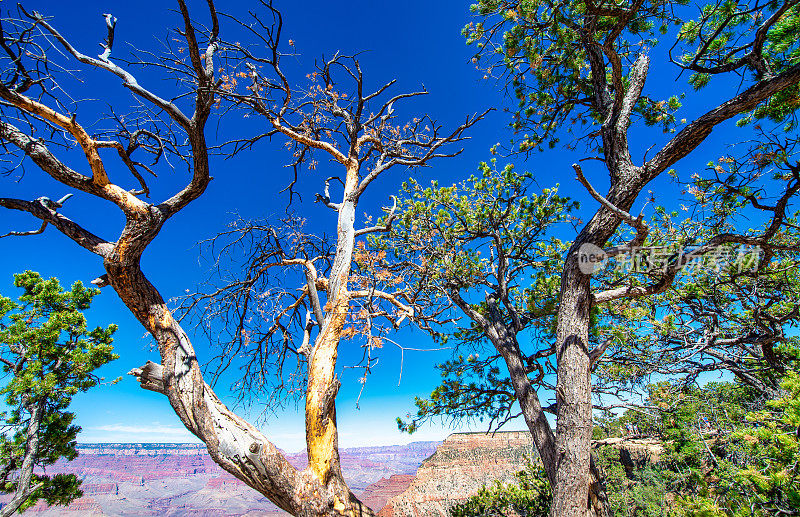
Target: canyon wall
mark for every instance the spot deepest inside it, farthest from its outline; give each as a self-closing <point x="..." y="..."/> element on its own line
<point x="461" y="465"/>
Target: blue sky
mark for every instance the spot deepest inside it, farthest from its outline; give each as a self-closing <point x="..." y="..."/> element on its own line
<point x="416" y="42"/>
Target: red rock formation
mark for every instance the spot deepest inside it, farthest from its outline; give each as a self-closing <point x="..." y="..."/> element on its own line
<point x="81" y="506"/>
<point x="377" y="494"/>
<point x="460" y="466"/>
<point x="224" y="482"/>
<point x="638" y="450"/>
<point x="102" y="488"/>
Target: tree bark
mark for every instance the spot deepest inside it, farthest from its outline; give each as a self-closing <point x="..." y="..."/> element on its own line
<point x="322" y="435"/>
<point x="233" y="443"/>
<point x="24" y="488"/>
<point x="573" y="395"/>
<point x="573" y="388"/>
<point x="539" y="427"/>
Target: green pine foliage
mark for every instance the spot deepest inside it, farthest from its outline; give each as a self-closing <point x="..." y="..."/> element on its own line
<point x="48" y="356"/>
<point x="536" y="47"/>
<point x="449" y="238"/>
<point x="529" y="496"/>
<point x="765" y="480"/>
<point x="640" y="491"/>
<point x="727" y="452"/>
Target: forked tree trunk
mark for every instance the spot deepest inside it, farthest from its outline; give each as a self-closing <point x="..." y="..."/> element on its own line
<point x="238" y="447"/>
<point x="232" y="442"/>
<point x="539" y="427"/>
<point x="242" y="450"/>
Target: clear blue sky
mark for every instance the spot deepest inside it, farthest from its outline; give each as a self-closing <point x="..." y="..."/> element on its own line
<point x="416" y="42"/>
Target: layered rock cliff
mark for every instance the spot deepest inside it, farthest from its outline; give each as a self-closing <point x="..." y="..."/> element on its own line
<point x="461" y="465"/>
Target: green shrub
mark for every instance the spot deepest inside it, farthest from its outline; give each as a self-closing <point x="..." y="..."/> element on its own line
<point x="530" y="496"/>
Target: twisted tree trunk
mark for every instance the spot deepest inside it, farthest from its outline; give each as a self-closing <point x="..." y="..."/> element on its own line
<point x="234" y="444"/>
<point x="24" y="488"/>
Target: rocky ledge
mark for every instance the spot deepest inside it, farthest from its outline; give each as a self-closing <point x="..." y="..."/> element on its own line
<point x="461" y="465"/>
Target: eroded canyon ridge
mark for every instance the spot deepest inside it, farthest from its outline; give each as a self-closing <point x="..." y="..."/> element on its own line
<point x="421" y="478"/>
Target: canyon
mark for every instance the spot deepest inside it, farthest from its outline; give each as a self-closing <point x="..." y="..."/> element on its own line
<point x="177" y="480"/>
<point x="417" y="479"/>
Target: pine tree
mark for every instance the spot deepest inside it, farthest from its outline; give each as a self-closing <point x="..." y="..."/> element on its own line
<point x="48" y="355"/>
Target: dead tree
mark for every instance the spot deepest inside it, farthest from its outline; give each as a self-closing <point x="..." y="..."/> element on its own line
<point x="353" y="128"/>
